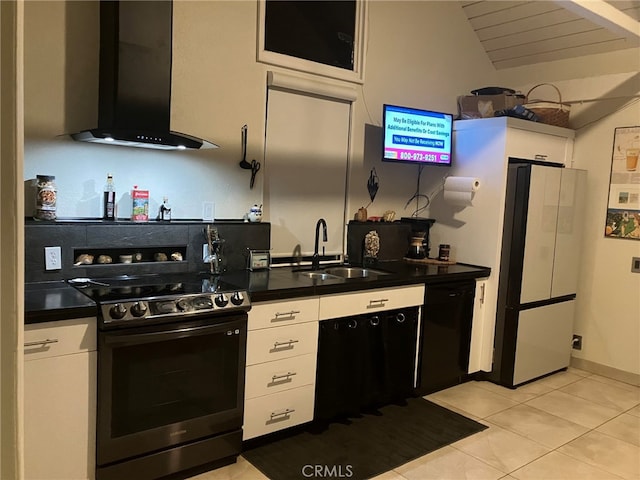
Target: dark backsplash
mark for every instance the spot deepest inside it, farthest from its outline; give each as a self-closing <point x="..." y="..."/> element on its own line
<point x="118" y="238"/>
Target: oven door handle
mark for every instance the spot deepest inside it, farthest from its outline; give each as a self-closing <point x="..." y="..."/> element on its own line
<point x="228" y="328"/>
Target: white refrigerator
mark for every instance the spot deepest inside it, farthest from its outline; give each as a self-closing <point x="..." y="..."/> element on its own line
<point x="538" y="271"/>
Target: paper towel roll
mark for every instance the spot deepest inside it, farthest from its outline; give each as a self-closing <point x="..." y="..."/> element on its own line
<point x="460" y="190"/>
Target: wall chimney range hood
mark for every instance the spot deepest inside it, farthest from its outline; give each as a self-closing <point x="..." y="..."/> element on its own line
<point x="134" y="105"/>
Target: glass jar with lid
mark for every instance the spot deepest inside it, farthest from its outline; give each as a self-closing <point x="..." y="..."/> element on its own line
<point x="46" y="197"/>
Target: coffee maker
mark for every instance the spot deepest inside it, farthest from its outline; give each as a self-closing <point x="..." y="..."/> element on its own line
<point x="419" y="240"/>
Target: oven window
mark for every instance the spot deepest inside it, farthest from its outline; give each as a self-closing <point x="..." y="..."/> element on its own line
<point x="160" y="383"/>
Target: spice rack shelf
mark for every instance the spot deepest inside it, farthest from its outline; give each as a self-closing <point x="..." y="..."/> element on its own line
<point x="104" y="257"/>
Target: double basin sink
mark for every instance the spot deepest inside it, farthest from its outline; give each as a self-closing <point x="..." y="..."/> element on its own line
<point x="342" y="272"/>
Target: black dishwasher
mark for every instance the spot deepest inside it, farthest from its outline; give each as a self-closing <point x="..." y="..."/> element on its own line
<point x="365" y="361"/>
<point x="445" y="335"/>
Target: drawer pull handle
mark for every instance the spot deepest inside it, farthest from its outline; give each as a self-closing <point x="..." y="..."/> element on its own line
<point x="482" y="293"/>
<point x="283" y="413"/>
<point x="377" y="303"/>
<point x="285" y="375"/>
<point x="41" y="342"/>
<point x="286" y="314"/>
<point x="540" y="156"/>
<point x="288" y="343"/>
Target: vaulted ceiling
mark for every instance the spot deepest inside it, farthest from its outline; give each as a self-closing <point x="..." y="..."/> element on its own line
<point x="516" y="33"/>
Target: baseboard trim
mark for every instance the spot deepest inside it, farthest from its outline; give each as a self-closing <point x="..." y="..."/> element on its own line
<point x="604" y="370"/>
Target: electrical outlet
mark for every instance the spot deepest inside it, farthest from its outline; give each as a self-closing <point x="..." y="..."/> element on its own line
<point x="52" y="258"/>
<point x="576" y="343"/>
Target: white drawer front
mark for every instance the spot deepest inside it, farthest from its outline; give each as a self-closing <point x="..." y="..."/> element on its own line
<point x="279" y="313"/>
<point x="280" y="375"/>
<point x="50" y="339"/>
<point x="270" y="413"/>
<point x="369" y="301"/>
<point x="281" y="342"/>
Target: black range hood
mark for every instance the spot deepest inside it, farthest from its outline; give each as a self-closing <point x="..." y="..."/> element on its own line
<point x="134" y="105"/>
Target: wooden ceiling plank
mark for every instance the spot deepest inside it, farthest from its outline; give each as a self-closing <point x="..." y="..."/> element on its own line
<point x="605" y="15"/>
<point x="478" y="9"/>
<point x="525" y="10"/>
<point x="558" y="17"/>
<point x="550" y="32"/>
<point x="580" y="51"/>
<point x="569" y="41"/>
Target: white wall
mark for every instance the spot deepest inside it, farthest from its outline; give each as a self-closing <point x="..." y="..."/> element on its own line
<point x="217" y="88"/>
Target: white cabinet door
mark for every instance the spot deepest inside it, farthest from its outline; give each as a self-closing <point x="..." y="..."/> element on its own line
<point x="566" y="263"/>
<point x="537" y="269"/>
<point x="59" y="417"/>
<point x="543" y="343"/>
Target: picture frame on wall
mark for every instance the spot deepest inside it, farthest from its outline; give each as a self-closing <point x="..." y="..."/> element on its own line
<point x="623" y="209"/>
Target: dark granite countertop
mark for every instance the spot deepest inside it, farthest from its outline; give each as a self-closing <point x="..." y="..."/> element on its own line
<point x="51" y="301"/>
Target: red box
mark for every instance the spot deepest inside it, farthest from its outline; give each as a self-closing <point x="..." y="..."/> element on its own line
<point x="140" y="200"/>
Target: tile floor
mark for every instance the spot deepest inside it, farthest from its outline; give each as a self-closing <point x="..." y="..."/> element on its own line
<point x="573" y="425"/>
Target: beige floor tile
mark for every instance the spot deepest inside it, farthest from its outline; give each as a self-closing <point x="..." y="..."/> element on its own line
<point x="538" y="425"/>
<point x="448" y="464"/>
<point x="558" y="466"/>
<point x="241" y="470"/>
<point x="392" y="475"/>
<point x="606" y="453"/>
<point x="574" y="409"/>
<point x="606" y="394"/>
<point x="624" y="427"/>
<point x="520" y="394"/>
<point x="501" y="448"/>
<point x="616" y="383"/>
<point x="473" y="399"/>
<point x="634" y="411"/>
<point x="557" y="380"/>
<point x="577" y="371"/>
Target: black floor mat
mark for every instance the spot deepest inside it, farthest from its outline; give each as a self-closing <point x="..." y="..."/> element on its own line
<point x="360" y="447"/>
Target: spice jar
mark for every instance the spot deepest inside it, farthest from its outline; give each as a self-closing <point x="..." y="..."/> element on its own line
<point x="443" y="253"/>
<point x="46" y="196"/>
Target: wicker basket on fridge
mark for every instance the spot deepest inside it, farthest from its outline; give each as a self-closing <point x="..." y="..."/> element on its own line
<point x="549" y="111"/>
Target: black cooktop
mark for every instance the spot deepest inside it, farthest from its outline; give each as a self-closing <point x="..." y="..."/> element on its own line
<point x="126" y="287"/>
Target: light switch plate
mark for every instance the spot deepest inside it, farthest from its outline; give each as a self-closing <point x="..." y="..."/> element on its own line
<point x="52" y="258"/>
<point x="635" y="265"/>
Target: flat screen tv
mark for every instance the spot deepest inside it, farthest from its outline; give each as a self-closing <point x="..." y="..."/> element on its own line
<point x="412" y="135"/>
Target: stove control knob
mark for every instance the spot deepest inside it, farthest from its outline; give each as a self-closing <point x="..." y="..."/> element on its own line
<point x="237" y="298"/>
<point x="118" y="311"/>
<point x="221" y="300"/>
<point x="138" y="309"/>
<point x="183" y="305"/>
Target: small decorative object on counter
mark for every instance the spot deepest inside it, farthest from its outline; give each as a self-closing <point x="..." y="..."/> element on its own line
<point x="103" y="259"/>
<point x="140" y="199"/>
<point x="361" y="215"/>
<point x="164" y="213"/>
<point x="109" y="200"/>
<point x="137" y="257"/>
<point x="46" y="197"/>
<point x="443" y="252"/>
<point x="126" y="258"/>
<point x="371" y="247"/>
<point x="84" y="259"/>
<point x="160" y="257"/>
<point x="388" y="216"/>
<point x="255" y="213"/>
<point x="176" y="257"/>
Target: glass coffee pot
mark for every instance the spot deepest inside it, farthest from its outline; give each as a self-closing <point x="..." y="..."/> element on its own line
<point x="416" y="246"/>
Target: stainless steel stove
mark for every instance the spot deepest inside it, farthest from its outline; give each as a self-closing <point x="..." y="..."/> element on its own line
<point x="171" y="372"/>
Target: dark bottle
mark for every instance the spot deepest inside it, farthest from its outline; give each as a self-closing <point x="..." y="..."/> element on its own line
<point x="109" y="201"/>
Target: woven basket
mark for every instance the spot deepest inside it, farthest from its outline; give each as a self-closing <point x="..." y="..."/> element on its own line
<point x="549" y="112"/>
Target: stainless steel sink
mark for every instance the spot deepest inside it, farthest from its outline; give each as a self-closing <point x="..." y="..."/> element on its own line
<point x="353" y="272"/>
<point x="319" y="275"/>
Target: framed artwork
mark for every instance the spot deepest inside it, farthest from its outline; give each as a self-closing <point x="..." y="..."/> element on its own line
<point x="623" y="209"/>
